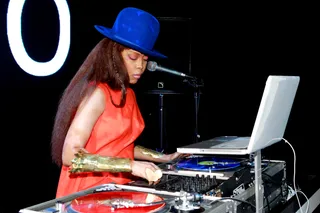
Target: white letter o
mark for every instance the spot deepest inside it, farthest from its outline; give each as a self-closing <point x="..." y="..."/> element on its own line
<point x="16" y="43"/>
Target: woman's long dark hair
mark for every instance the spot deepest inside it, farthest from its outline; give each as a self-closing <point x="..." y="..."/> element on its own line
<point x="103" y="64"/>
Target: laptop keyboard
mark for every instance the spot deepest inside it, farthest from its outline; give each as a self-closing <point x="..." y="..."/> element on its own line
<point x="241" y="142"/>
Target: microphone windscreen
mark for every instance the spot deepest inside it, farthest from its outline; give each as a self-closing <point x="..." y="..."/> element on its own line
<point x="151" y="66"/>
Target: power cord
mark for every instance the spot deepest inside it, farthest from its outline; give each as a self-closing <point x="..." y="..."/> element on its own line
<point x="294" y="179"/>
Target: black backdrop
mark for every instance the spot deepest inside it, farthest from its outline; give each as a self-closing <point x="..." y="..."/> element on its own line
<point x="233" y="48"/>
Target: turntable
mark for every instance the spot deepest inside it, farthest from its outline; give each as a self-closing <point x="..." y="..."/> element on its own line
<point x="194" y="184"/>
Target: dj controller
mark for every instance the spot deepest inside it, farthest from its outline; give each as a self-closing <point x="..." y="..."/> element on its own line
<point x="193" y="184"/>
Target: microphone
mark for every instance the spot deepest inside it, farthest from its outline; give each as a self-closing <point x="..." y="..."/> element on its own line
<point x="153" y="66"/>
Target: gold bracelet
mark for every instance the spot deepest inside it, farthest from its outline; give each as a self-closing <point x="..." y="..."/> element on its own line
<point x="85" y="162"/>
<point x="149" y="152"/>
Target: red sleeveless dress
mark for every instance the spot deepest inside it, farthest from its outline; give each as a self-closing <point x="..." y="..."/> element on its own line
<point x="113" y="135"/>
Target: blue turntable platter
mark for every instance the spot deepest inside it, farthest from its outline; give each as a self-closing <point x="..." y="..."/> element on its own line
<point x="207" y="164"/>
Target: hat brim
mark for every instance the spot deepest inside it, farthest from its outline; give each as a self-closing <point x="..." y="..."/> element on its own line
<point x="109" y="34"/>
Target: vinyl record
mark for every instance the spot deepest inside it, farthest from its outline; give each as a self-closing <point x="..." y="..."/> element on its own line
<point x="207" y="164"/>
<point x="102" y="202"/>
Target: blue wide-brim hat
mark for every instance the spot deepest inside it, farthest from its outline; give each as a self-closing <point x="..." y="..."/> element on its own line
<point x="136" y="29"/>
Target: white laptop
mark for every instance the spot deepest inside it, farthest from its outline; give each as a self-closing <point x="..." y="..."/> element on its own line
<point x="269" y="126"/>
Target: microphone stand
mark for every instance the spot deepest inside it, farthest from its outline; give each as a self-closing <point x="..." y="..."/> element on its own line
<point x="196" y="84"/>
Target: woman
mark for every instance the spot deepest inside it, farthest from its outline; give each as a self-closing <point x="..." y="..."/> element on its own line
<point x="98" y="118"/>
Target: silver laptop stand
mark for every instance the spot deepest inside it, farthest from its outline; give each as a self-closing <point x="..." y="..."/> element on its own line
<point x="258" y="181"/>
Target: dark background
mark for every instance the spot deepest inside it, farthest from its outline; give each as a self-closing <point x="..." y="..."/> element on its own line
<point x="232" y="47"/>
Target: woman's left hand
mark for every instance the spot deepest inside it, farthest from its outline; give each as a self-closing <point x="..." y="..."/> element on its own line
<point x="173" y="156"/>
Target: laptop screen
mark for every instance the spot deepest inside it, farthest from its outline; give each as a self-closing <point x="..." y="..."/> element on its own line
<point x="274" y="111"/>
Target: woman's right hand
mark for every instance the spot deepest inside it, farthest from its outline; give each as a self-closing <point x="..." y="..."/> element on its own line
<point x="146" y="170"/>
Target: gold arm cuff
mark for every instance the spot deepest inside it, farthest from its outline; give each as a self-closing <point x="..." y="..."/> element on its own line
<point x="85" y="162"/>
<point x="149" y="152"/>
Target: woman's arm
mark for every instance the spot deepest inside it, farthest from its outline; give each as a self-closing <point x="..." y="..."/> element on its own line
<point x="143" y="153"/>
<point x="80" y="129"/>
<point x="86" y="162"/>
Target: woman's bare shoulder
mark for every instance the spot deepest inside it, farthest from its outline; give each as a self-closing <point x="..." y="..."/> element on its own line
<point x="95" y="99"/>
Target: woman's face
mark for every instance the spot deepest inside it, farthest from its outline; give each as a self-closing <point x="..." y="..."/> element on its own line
<point x="135" y="63"/>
